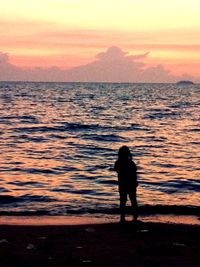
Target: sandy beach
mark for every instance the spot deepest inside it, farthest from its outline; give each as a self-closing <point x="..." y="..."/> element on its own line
<point x="104" y="244"/>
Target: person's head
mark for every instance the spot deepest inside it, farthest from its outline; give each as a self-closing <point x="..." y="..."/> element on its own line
<point x="124" y="153"/>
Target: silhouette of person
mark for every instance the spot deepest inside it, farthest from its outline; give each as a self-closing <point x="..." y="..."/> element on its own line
<point x="127" y="181"/>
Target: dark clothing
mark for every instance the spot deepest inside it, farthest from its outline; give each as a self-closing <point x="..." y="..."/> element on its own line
<point x="127" y="175"/>
<point x="127" y="182"/>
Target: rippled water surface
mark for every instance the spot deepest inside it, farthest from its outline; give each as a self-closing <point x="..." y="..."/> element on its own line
<point x="59" y="143"/>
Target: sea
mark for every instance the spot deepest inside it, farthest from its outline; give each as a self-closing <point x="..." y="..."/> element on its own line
<point x="59" y="142"/>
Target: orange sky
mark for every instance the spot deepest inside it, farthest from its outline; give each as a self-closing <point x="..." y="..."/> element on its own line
<point x="69" y="33"/>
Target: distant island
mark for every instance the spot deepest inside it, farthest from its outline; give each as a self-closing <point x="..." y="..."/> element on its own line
<point x="184" y="82"/>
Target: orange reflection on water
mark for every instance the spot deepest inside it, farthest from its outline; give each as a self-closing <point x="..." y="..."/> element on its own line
<point x="62" y="142"/>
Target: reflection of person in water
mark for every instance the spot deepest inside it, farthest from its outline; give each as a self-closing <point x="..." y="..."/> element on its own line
<point x="127" y="181"/>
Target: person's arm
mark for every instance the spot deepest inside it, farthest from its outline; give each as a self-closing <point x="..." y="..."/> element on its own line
<point x="116" y="166"/>
<point x="135" y="174"/>
<point x="136" y="180"/>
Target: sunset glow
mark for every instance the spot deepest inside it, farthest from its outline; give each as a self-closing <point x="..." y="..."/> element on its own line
<point x="70" y="33"/>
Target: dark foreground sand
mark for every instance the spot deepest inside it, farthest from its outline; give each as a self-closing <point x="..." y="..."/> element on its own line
<point x="132" y="244"/>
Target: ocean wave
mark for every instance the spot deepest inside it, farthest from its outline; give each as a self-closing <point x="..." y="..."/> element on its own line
<point x="31" y="170"/>
<point x="19" y="119"/>
<point x="143" y="210"/>
<point x="8" y="199"/>
<point x="61" y="127"/>
<point x="76" y="127"/>
<point x="162" y="115"/>
<point x="174" y="186"/>
<point x="35" y="139"/>
<point x="194" y="130"/>
<point x="27" y="184"/>
<point x="4" y="190"/>
<point x="103" y="137"/>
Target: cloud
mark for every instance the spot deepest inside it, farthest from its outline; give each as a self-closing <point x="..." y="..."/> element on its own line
<point x="3" y="58"/>
<point x="10" y="72"/>
<point x="112" y="53"/>
<point x="7" y="70"/>
<point x="113" y="65"/>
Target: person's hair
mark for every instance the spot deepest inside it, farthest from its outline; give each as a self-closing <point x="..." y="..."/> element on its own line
<point x="124" y="153"/>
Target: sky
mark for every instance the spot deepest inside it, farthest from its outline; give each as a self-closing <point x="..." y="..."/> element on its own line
<point x="107" y="40"/>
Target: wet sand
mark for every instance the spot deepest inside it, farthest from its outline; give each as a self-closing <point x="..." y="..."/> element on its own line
<point x="105" y="244"/>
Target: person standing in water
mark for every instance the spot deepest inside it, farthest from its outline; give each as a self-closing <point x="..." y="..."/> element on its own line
<point x="127" y="181"/>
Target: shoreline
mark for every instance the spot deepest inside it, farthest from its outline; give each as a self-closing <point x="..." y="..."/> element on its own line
<point x="88" y="219"/>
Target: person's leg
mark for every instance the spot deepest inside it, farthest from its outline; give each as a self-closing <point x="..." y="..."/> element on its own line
<point x="134" y="205"/>
<point x="123" y="199"/>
